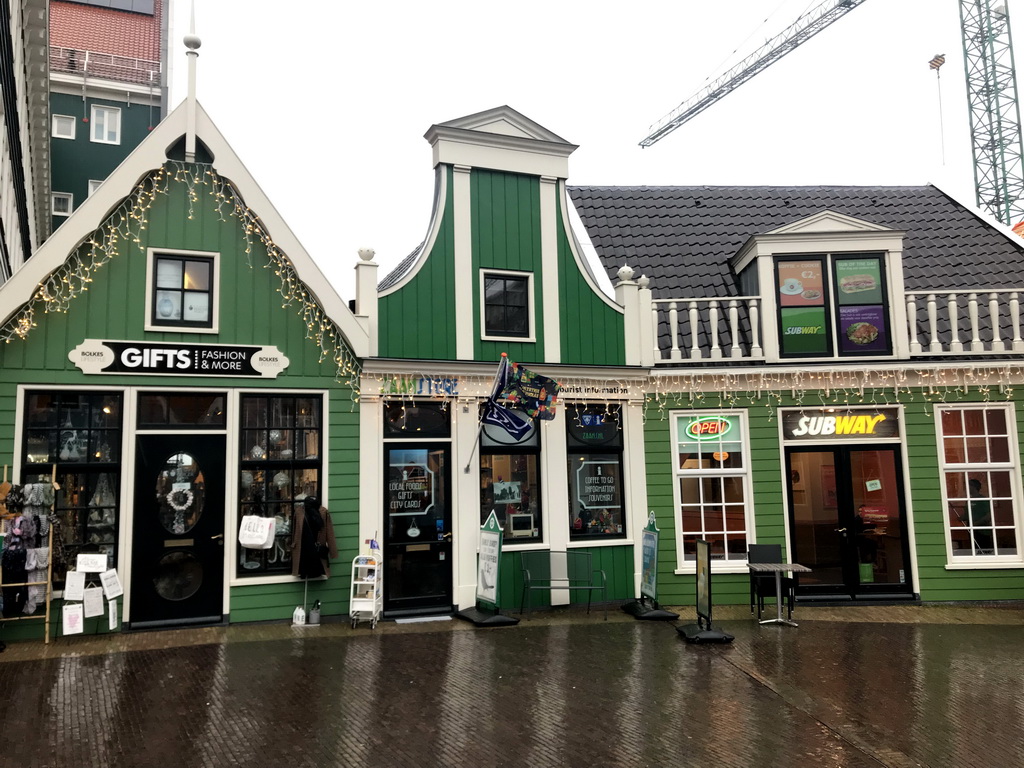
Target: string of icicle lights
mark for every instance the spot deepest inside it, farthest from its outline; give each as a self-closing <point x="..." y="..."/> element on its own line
<point x="126" y="225"/>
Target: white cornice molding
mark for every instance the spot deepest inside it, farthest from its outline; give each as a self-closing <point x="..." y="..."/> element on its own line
<point x="500" y="139"/>
<point x="71" y="85"/>
<point x="145" y="158"/>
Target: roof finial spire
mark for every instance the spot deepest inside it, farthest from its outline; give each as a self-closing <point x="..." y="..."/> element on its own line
<point x="192" y="42"/>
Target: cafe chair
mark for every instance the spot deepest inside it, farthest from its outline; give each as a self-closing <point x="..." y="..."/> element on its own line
<point x="762" y="585"/>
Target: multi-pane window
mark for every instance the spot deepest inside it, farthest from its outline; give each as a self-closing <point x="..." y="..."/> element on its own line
<point x="510" y="482"/>
<point x="79" y="435"/>
<point x="832" y="305"/>
<point x="506" y="300"/>
<point x="712" y="484"/>
<point x="280" y="459"/>
<point x="62" y="127"/>
<point x="980" y="473"/>
<point x="596" y="498"/>
<point x="182" y="293"/>
<point x="106" y="125"/>
<point x="61" y="203"/>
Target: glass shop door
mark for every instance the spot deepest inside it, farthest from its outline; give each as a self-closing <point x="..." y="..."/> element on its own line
<point x="418" y="529"/>
<point x="847" y="522"/>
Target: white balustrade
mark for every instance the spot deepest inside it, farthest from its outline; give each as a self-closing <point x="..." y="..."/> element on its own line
<point x="713" y="326"/>
<point x="965" y="323"/>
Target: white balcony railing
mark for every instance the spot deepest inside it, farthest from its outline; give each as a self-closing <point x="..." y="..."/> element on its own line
<point x="943" y="322"/>
<point x="964" y="322"/>
<point x="707" y="329"/>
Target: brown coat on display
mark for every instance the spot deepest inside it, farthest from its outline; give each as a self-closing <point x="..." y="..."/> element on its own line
<point x="313" y="549"/>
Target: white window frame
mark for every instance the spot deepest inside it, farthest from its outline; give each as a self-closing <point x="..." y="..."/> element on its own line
<point x="531" y="335"/>
<point x="684" y="566"/>
<point x="94" y="184"/>
<point x="56" y="119"/>
<point x="112" y="113"/>
<point x="976" y="562"/>
<point x="55" y="196"/>
<point x="151" y="323"/>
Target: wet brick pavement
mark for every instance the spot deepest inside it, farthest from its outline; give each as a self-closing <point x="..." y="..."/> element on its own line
<point x="852" y="687"/>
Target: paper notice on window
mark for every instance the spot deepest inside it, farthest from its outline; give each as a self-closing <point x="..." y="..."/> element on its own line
<point x="74" y="586"/>
<point x="111" y="584"/>
<point x="112" y="615"/>
<point x="93" y="602"/>
<point x="91" y="563"/>
<point x="72" y="619"/>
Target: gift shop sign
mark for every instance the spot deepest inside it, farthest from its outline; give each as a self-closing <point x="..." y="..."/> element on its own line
<point x="841" y="424"/>
<point x="172" y="359"/>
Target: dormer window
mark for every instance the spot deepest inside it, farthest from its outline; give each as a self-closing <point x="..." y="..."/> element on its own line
<point x="506" y="305"/>
<point x="832" y="305"/>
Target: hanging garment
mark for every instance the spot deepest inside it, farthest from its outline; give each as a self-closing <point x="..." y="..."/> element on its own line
<point x="313" y="543"/>
<point x="13" y="571"/>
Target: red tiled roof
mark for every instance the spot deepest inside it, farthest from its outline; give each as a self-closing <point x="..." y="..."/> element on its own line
<point x="105" y="30"/>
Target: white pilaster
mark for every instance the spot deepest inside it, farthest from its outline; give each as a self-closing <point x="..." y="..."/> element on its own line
<point x="463" y="221"/>
<point x="549" y="278"/>
<point x="366" y="295"/>
<point x="627" y="294"/>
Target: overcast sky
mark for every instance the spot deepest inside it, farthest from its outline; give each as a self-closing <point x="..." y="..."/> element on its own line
<point x="327" y="102"/>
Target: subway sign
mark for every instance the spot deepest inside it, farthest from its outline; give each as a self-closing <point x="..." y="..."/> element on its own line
<point x="708" y="428"/>
<point x="841" y="424"/>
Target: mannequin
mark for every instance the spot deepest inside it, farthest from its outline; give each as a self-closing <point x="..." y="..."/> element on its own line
<point x="313" y="544"/>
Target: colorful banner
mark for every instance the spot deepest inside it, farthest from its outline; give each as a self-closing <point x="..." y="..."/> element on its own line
<point x="862" y="329"/>
<point x="804" y="331"/>
<point x="531" y="393"/>
<point x="859" y="281"/>
<point x="801" y="284"/>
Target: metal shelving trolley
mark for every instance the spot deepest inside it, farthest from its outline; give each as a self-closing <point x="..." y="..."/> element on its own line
<point x="367" y="599"/>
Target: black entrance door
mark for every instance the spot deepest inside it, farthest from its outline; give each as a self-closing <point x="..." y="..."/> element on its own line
<point x="178" y="530"/>
<point x="847" y="522"/>
<point x="418" y="524"/>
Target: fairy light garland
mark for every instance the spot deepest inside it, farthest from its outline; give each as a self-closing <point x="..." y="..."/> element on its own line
<point x="126" y="225"/>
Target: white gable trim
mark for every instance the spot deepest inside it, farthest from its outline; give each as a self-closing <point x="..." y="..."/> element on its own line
<point x="148" y="156"/>
<point x="436" y="217"/>
<point x="580" y="254"/>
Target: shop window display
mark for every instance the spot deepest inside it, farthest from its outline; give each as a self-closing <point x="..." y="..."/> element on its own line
<point x="711" y="484"/>
<point x="510" y="483"/>
<point x="595" y="468"/>
<point x="280" y="466"/>
<point x="79" y="435"/>
<point x="980" y="472"/>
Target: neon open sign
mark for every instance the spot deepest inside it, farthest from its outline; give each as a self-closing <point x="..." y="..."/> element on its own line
<point x="708" y="428"/>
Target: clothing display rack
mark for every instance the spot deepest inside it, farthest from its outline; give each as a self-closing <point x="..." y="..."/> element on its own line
<point x="8" y="519"/>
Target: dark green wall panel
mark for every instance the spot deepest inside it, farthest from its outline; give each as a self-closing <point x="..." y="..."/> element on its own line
<point x="592" y="333"/>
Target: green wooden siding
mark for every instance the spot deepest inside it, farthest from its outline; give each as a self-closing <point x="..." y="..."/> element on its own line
<point x="418" y="320"/>
<point x="75" y="161"/>
<point x="935" y="582"/>
<point x="505" y="215"/>
<point x="592" y="333"/>
<point x="616" y="562"/>
<point x="250" y="313"/>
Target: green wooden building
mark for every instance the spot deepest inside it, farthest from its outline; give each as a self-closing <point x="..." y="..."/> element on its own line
<point x="175" y="360"/>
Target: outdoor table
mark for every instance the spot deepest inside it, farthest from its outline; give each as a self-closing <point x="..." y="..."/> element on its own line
<point x="777" y="569"/>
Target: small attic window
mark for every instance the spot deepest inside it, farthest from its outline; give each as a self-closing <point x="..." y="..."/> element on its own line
<point x="506" y="305"/>
<point x="182" y="291"/>
<point x="61" y="203"/>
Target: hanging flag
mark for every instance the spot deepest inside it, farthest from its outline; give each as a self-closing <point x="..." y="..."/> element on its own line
<point x="532" y="393"/>
<point x="497" y="414"/>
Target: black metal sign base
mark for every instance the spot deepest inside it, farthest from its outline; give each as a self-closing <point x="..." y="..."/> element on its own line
<point x="486" y="618"/>
<point x="648" y="611"/>
<point x="695" y="633"/>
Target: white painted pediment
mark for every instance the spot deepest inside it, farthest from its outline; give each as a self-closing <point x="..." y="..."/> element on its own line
<point x="828" y="221"/>
<point x="504" y="121"/>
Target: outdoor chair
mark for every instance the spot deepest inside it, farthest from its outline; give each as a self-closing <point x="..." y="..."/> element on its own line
<point x="762" y="585"/>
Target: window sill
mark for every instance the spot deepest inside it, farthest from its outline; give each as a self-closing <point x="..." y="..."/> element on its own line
<point x="180" y="328"/>
<point x="599" y="543"/>
<point x="715" y="568"/>
<point x="516" y="339"/>
<point x="983" y="565"/>
<point x="276" y="578"/>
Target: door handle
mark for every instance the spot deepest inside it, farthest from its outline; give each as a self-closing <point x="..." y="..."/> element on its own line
<point x="840" y="530"/>
<point x="446" y="536"/>
<point x="218" y="536"/>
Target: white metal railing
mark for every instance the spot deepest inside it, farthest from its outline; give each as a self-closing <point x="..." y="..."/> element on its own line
<point x="960" y="322"/>
<point x="712" y="329"/>
<point x="105" y="65"/>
